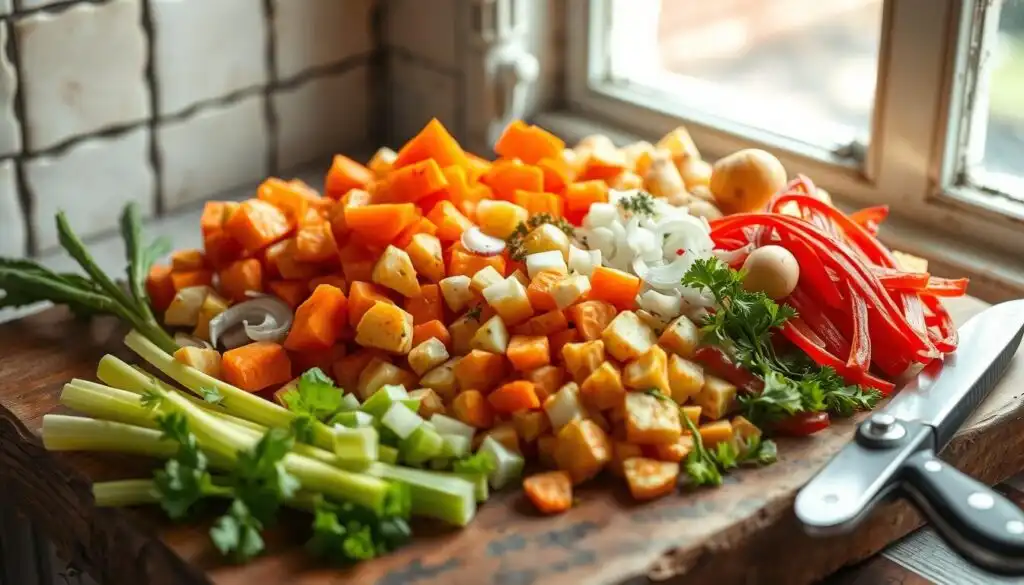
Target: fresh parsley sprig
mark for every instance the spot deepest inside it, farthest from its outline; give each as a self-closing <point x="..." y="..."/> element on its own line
<point x="514" y="242"/>
<point x="313" y="398"/>
<point x="639" y="203"/>
<point x="346" y="533"/>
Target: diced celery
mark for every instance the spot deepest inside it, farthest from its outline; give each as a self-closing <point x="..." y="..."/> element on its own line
<point x="456" y="446"/>
<point x="387" y="454"/>
<point x="381" y="400"/>
<point x="434" y="494"/>
<point x="447" y="425"/>
<point x="480" y="488"/>
<point x="402" y="421"/>
<point x="352" y="419"/>
<point x="349" y="402"/>
<point x="358" y="444"/>
<point x="508" y="465"/>
<point x="412" y="403"/>
<point x="421" y="446"/>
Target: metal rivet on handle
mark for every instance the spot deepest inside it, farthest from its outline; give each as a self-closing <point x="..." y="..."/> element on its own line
<point x="932" y="466"/>
<point x="1015" y="527"/>
<point x="980" y="501"/>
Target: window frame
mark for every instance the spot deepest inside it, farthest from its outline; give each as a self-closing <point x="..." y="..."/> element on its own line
<point x="911" y="162"/>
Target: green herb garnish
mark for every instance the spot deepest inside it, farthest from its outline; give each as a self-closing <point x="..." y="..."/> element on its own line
<point x="475" y="313"/>
<point x="639" y="203"/>
<point x="514" y="242"/>
<point x="313" y="398"/>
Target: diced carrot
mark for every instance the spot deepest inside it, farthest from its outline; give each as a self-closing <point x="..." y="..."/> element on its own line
<point x="528" y="143"/>
<point x="331" y="279"/>
<point x="160" y="287"/>
<point x="476" y="167"/>
<point x="539" y="290"/>
<point x="414" y="182"/>
<point x="558" y="340"/>
<point x="314" y="242"/>
<point x="433" y="142"/>
<point x="536" y="202"/>
<point x="580" y="196"/>
<point x="240" y="277"/>
<point x="472" y="408"/>
<point x="215" y="214"/>
<point x="305" y="360"/>
<point x="292" y="292"/>
<point x="591" y="317"/>
<point x="356" y="263"/>
<point x="189" y="259"/>
<point x="180" y="280"/>
<point x="557" y="174"/>
<point x="545" y="324"/>
<point x="420" y="226"/>
<point x="435" y="329"/>
<point x="281" y="261"/>
<point x="345" y="174"/>
<point x="256" y="366"/>
<point x="382" y="161"/>
<point x="528" y="352"/>
<point x="290" y="198"/>
<point x="221" y="249"/>
<point x="347" y="369"/>
<point x="257" y="224"/>
<point x="546" y="380"/>
<point x="604" y="164"/>
<point x="318" y="320"/>
<point x="550" y="492"/>
<point x="514" y="396"/>
<point x="361" y="297"/>
<point x="480" y="370"/>
<point x="468" y="264"/>
<point x="449" y="220"/>
<point x="615" y="286"/>
<point x="354" y="198"/>
<point x="713" y="433"/>
<point x="380" y="223"/>
<point x="458" y="189"/>
<point x="429" y="306"/>
<point x="506" y="176"/>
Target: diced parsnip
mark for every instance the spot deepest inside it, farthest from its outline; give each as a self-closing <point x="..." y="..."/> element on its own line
<point x="522" y="278"/>
<point x="184" y="309"/>
<point x="206" y="360"/>
<point x="650" y="421"/>
<point x="472" y="408"/>
<point x="442" y="380"/>
<point x="447" y="425"/>
<point x="456" y="292"/>
<point x="430" y="402"/>
<point x="530" y="424"/>
<point x="546" y="238"/>
<point x="213" y="305"/>
<point x="504" y="433"/>
<point x="649" y="479"/>
<point x="546" y="451"/>
<point x="462" y="331"/>
<point x="508" y="465"/>
<point x="552" y="260"/>
<point x="603" y="388"/>
<point x="427" y="355"/>
<point x="648" y="371"/>
<point x="651" y="321"/>
<point x="583" y="449"/>
<point x="508" y="298"/>
<point x="626" y="337"/>
<point x="621" y="451"/>
<point x="480" y="370"/>
<point x="569" y="290"/>
<point x="492" y="336"/>
<point x="484" y="278"/>
<point x="664" y="308"/>
<point x="713" y="433"/>
<point x="499" y="218"/>
<point x="564" y="406"/>
<point x="582" y="358"/>
<point x="378" y="373"/>
<point x="743" y="429"/>
<point x="583" y="261"/>
<point x="424" y="251"/>
<point x="691" y="412"/>
<point x="685" y="378"/>
<point x="546" y="380"/>
<point x="385" y="326"/>
<point x="394" y="270"/>
<point x="716" y="398"/>
<point x="681" y="337"/>
<point x="675" y="452"/>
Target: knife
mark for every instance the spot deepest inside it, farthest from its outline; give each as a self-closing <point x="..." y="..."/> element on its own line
<point x="894" y="453"/>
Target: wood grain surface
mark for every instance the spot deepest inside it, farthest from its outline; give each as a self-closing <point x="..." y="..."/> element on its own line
<point x="744" y="532"/>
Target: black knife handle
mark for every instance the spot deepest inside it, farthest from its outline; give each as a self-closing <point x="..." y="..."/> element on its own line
<point x="976" y="521"/>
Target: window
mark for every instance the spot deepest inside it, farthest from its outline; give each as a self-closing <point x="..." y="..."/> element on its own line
<point x="913" y="103"/>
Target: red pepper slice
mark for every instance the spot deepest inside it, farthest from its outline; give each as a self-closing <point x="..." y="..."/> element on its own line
<point x="860" y="346"/>
<point x="802" y="424"/>
<point x="870" y="215"/>
<point x="947" y="338"/>
<point x="813" y="271"/>
<point x="797" y="332"/>
<point x="719" y="364"/>
<point x="893" y="279"/>
<point x="832" y="338"/>
<point x="946" y="287"/>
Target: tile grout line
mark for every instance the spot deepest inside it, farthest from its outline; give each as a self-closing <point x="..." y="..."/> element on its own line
<point x="155" y="162"/>
<point x="20" y="179"/>
<point x="270" y="61"/>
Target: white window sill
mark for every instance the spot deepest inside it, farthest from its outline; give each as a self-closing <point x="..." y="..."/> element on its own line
<point x="995" y="276"/>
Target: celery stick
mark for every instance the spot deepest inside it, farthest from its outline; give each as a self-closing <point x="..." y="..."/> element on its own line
<point x="128" y="492"/>
<point x="380" y="401"/>
<point x="421" y="446"/>
<point x="359" y="445"/>
<point x="73" y="433"/>
<point x="434" y="494"/>
<point x="353" y="419"/>
<point x="402" y="421"/>
<point x="479" y="481"/>
<point x="106" y="403"/>
<point x="508" y="465"/>
<point x="455" y="446"/>
<point x="387" y="454"/>
<point x="447" y="425"/>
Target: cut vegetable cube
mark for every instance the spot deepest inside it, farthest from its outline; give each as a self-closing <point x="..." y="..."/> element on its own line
<point x="563" y="406"/>
<point x="508" y="465"/>
<point x="570" y="289"/>
<point x="472" y="408"/>
<point x="603" y="388"/>
<point x="185" y="307"/>
<point x="514" y="397"/>
<point x="713" y="433"/>
<point x="499" y="218"/>
<point x="424" y="250"/>
<point x="518" y="275"/>
<point x="649" y="479"/>
<point x="457" y="292"/>
<point x="675" y="452"/>
<point x="648" y="371"/>
<point x="379" y="373"/>
<point x="546" y="380"/>
<point x="550" y="492"/>
<point x="528" y="352"/>
<point x="447" y="425"/>
<point x="430" y="402"/>
<point x="387" y="327"/>
<point x="480" y="488"/>
<point x="349" y="402"/>
<point x="442" y="380"/>
<point x="650" y="421"/>
<point x="546" y="238"/>
<point x="744" y="430"/>
<point x="434" y="494"/>
<point x="358" y="445"/>
<point x="383" y="399"/>
<point x="551" y="260"/>
<point x="401" y="420"/>
<point x="505" y="433"/>
<point x="627" y="337"/>
<point x="427" y="356"/>
<point x="462" y="331"/>
<point x="583" y="261"/>
<point x="256" y="366"/>
<point x="205" y="359"/>
<point x="685" y="378"/>
<point x="545" y="324"/>
<point x="394" y="270"/>
<point x="621" y="451"/>
<point x="583" y="358"/>
<point x="213" y="305"/>
<point x="484" y="278"/>
<point x="691" y="412"/>
<point x="591" y="318"/>
<point x="716" y="398"/>
<point x="353" y="419"/>
<point x="492" y="336"/>
<point x="583" y="449"/>
<point x="387" y="454"/>
<point x="422" y="445"/>
<point x="480" y="370"/>
<point x="509" y="299"/>
<point x="546" y="445"/>
<point x="530" y="424"/>
<point x="455" y="446"/>
<point x="681" y="337"/>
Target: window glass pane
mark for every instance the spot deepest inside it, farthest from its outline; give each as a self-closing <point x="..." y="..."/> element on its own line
<point x="804" y="69"/>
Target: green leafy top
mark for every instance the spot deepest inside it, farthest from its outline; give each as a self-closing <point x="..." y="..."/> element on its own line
<point x="314" y="398"/>
<point x="514" y="242"/>
<point x="345" y="533"/>
<point x="211" y="394"/>
<point x="476" y="463"/>
<point x="184" y="479"/>
<point x="639" y="203"/>
<point x="260" y="479"/>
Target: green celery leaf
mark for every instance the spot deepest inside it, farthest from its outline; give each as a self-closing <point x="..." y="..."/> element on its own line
<point x="237" y="533"/>
<point x="314" y="395"/>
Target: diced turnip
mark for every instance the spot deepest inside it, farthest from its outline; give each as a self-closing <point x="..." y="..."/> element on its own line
<point x="552" y="260"/>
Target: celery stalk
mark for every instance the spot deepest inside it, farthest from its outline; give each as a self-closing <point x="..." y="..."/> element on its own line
<point x="422" y="445"/>
<point x="387" y="454"/>
<point x="127" y="492"/>
<point x="73" y="433"/>
<point x="359" y="445"/>
<point x="106" y="403"/>
<point x="479" y="481"/>
<point x="434" y="494"/>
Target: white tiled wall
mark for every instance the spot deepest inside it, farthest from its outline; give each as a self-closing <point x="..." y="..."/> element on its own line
<point x="169" y="102"/>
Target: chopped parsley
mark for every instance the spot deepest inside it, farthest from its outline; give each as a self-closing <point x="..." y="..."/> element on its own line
<point x="514" y="242"/>
<point x="639" y="203"/>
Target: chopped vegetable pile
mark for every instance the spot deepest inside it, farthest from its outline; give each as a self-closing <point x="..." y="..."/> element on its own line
<point x="436" y="325"/>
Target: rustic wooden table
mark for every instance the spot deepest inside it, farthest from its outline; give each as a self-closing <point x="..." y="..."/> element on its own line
<point x="744" y="532"/>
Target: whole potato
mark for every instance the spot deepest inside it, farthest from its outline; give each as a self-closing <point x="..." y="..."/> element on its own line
<point x="746" y="179"/>
<point x="705" y="209"/>
<point x="695" y="172"/>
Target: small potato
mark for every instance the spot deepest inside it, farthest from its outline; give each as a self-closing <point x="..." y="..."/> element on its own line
<point x="705" y="209"/>
<point x="695" y="172"/>
<point x="745" y="180"/>
<point x="662" y="178"/>
<point x="772" y="270"/>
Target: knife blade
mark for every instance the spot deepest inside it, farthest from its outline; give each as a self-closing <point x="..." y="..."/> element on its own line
<point x="893" y="453"/>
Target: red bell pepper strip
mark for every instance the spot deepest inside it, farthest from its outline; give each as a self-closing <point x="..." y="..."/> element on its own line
<point x="802" y="424"/>
<point x="832" y="338"/>
<point x="871" y="217"/>
<point x="893" y="279"/>
<point x="860" y="346"/>
<point x="947" y="338"/>
<point x="719" y="364"/>
<point x="797" y="332"/>
<point x="813" y="271"/>
<point x="946" y="287"/>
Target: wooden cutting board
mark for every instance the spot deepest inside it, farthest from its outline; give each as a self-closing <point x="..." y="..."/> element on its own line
<point x="744" y="532"/>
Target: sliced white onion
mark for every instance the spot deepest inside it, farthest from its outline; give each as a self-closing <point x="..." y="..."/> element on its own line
<point x="601" y="215"/>
<point x="265" y="318"/>
<point x="664" y="307"/>
<point x="186" y="340"/>
<point x="669" y="276"/>
<point x="477" y="242"/>
<point x="235" y="337"/>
